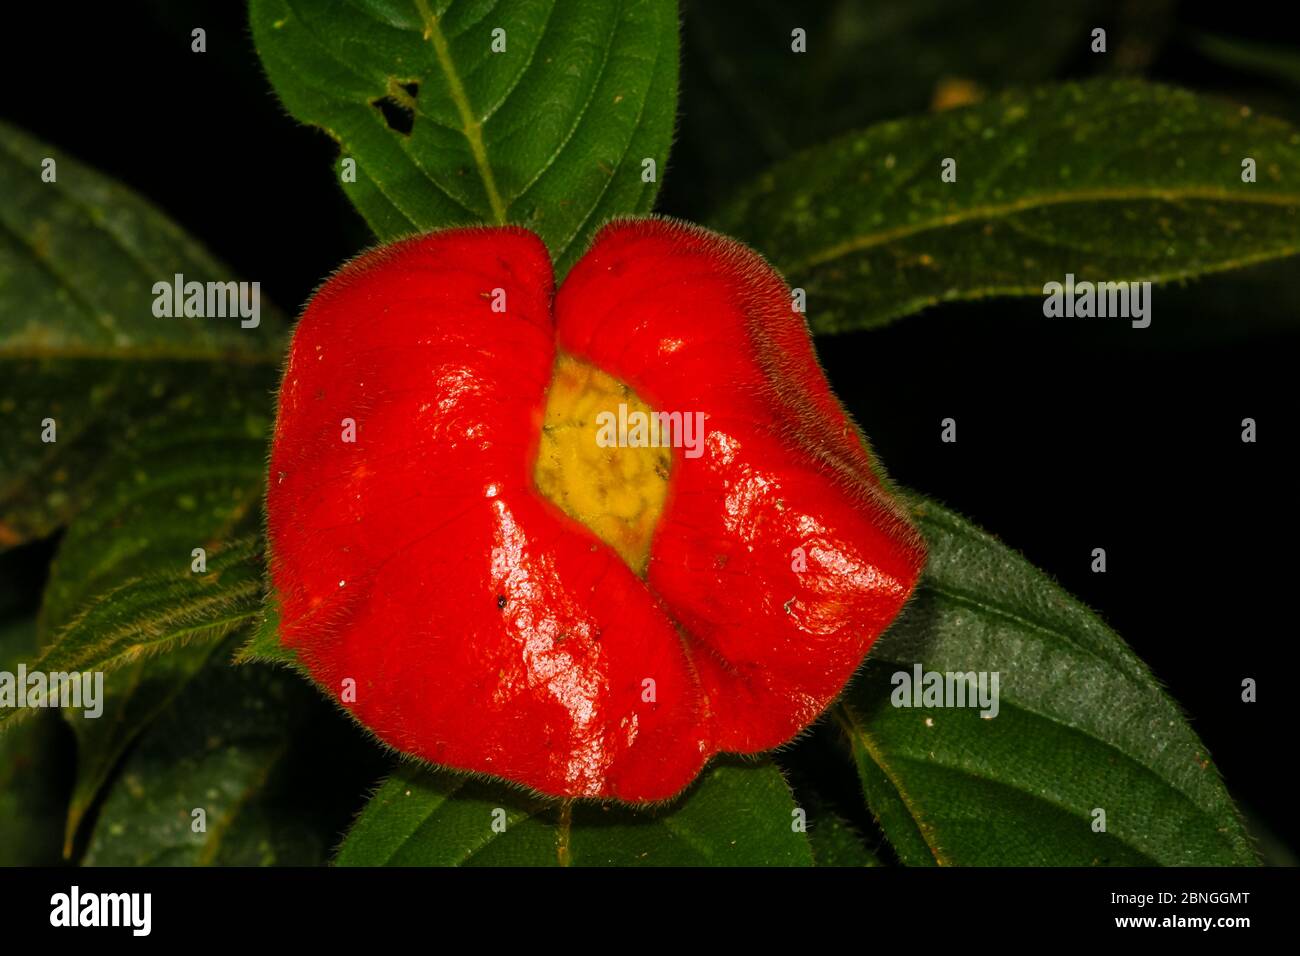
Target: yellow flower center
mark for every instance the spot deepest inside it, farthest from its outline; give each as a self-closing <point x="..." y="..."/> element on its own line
<point x="596" y="469"/>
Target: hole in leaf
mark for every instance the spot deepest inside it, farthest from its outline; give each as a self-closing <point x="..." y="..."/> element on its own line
<point x="398" y="107"/>
<point x="400" y="119"/>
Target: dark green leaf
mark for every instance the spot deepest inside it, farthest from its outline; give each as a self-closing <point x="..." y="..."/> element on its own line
<point x="150" y="614"/>
<point x="736" y="814"/>
<point x="79" y="342"/>
<point x="264" y="645"/>
<point x="836" y="843"/>
<point x="234" y="747"/>
<point x="160" y="440"/>
<point x="549" y="134"/>
<point x="33" y="784"/>
<point x="751" y="101"/>
<point x="1274" y="61"/>
<point x="133" y="697"/>
<point x="149" y="635"/>
<point x="1108" y="181"/>
<point x="1081" y="726"/>
<point x="123" y="587"/>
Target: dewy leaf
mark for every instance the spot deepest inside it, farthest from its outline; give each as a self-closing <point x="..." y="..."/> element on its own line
<point x="149" y="430"/>
<point x="227" y="776"/>
<point x="536" y="112"/>
<point x="1083" y="736"/>
<point x="180" y="492"/>
<point x="1107" y="181"/>
<point x="738" y="814"/>
<point x="81" y="350"/>
<point x="124" y="594"/>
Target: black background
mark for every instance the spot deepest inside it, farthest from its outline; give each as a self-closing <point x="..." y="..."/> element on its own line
<point x="350" y="909"/>
<point x="1071" y="435"/>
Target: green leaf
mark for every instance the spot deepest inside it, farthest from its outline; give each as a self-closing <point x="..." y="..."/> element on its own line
<point x="150" y="614"/>
<point x="133" y="698"/>
<point x="549" y="134"/>
<point x="79" y="342"/>
<point x="264" y="646"/>
<point x="159" y="446"/>
<point x="122" y="583"/>
<point x="1081" y="726"/>
<point x="1108" y="181"/>
<point x="1274" y="61"/>
<point x="33" y="788"/>
<point x="149" y="635"/>
<point x="735" y="814"/>
<point x="866" y="62"/>
<point x="122" y="591"/>
<point x="256" y="751"/>
<point x="836" y="843"/>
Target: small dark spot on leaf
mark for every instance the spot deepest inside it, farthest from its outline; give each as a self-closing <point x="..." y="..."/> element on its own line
<point x="501" y="601"/>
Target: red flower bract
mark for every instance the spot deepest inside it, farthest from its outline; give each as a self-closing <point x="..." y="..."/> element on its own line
<point x="483" y="626"/>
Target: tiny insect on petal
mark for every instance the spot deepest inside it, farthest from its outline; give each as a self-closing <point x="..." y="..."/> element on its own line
<point x="590" y="538"/>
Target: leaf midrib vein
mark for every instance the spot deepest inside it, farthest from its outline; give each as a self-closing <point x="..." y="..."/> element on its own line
<point x="854" y="727"/>
<point x="1043" y="200"/>
<point x="976" y="774"/>
<point x="162" y="627"/>
<point x="471" y="127"/>
<point x="83" y="797"/>
<point x="61" y="281"/>
<point x="327" y="91"/>
<point x="212" y="846"/>
<point x="146" y="269"/>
